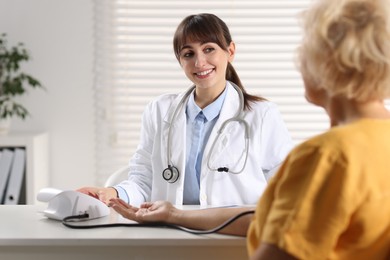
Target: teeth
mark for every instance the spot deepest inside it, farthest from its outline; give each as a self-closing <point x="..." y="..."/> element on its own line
<point x="204" y="72"/>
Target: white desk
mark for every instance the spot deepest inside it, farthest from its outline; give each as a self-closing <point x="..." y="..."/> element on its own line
<point x="25" y="233"/>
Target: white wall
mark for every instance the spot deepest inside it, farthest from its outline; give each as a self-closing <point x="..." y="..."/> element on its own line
<point x="59" y="35"/>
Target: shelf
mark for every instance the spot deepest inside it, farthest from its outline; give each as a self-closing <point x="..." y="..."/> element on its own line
<point x="37" y="159"/>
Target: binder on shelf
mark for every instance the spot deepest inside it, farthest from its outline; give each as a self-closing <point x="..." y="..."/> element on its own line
<point x="15" y="181"/>
<point x="5" y="167"/>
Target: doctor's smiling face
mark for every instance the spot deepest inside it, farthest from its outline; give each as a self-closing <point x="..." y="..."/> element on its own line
<point x="205" y="64"/>
<point x="203" y="45"/>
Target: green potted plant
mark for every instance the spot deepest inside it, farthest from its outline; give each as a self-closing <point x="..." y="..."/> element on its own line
<point x="13" y="82"/>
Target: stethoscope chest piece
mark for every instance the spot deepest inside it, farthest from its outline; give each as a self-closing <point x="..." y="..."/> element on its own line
<point x="171" y="174"/>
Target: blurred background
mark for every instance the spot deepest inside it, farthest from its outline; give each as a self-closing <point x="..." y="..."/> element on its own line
<point x="59" y="36"/>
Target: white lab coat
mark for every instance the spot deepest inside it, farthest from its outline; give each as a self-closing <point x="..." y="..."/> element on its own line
<point x="269" y="143"/>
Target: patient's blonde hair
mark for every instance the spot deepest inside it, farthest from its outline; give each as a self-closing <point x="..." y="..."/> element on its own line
<point x="346" y="48"/>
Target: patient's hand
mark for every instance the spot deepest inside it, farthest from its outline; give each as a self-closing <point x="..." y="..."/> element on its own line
<point x="103" y="194"/>
<point x="159" y="211"/>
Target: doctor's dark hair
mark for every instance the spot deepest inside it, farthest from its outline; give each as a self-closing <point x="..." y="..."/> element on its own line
<point x="209" y="28"/>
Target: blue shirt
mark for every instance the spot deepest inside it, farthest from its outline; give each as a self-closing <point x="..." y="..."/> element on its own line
<point x="200" y="123"/>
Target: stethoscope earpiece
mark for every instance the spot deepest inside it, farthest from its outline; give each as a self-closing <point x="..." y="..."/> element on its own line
<point x="223" y="169"/>
<point x="171" y="174"/>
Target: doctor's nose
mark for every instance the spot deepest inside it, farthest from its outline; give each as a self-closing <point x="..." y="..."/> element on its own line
<point x="200" y="61"/>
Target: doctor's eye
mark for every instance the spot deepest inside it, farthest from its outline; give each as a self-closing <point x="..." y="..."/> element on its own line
<point x="209" y="49"/>
<point x="187" y="54"/>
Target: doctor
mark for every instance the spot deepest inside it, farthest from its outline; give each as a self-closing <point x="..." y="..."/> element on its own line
<point x="214" y="144"/>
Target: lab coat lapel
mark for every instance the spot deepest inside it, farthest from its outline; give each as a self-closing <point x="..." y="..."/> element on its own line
<point x="229" y="110"/>
<point x="178" y="133"/>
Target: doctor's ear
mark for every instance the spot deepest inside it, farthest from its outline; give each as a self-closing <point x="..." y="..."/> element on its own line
<point x="231" y="51"/>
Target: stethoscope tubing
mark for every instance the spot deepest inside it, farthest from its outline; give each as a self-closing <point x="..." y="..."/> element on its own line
<point x="181" y="103"/>
<point x="237" y="117"/>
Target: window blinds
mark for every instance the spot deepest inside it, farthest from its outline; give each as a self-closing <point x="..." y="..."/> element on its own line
<point x="134" y="63"/>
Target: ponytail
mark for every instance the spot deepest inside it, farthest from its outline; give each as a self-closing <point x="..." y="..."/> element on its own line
<point x="232" y="76"/>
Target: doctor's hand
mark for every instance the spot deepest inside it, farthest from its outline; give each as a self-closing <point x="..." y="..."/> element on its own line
<point x="102" y="194"/>
<point x="159" y="211"/>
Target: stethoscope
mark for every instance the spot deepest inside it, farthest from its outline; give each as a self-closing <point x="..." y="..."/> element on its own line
<point x="171" y="173"/>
